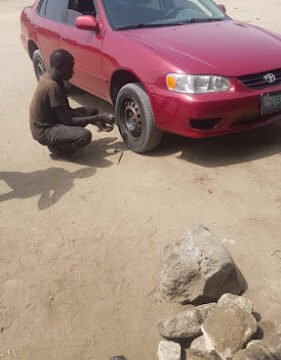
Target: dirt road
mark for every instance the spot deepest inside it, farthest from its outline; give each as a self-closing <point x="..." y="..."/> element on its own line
<point x="80" y="243"/>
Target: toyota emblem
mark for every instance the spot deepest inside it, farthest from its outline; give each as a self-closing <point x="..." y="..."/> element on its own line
<point x="270" y="78"/>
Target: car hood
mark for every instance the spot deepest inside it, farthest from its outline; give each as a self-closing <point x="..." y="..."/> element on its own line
<point x="227" y="47"/>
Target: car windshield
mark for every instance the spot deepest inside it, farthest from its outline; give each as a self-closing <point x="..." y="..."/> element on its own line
<point x="129" y="14"/>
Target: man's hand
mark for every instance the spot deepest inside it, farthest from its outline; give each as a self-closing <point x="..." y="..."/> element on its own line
<point x="104" y="122"/>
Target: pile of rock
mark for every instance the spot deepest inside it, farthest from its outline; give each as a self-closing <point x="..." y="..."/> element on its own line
<point x="216" y="331"/>
<point x="199" y="269"/>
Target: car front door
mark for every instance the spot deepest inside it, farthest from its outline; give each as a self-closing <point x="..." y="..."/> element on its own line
<point x="47" y="24"/>
<point x="86" y="48"/>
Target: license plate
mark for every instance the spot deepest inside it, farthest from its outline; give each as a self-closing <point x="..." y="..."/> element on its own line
<point x="270" y="103"/>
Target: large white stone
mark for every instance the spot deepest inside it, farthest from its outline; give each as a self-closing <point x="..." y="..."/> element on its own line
<point x="198" y="267"/>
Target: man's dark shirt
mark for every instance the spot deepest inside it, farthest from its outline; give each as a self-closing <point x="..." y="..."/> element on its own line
<point x="48" y="95"/>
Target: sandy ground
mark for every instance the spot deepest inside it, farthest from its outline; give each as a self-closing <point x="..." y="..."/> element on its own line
<point x="80" y="248"/>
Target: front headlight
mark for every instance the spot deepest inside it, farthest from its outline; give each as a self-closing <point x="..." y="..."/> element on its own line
<point x="197" y="84"/>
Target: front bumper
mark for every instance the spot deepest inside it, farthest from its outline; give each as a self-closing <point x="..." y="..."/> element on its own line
<point x="205" y="115"/>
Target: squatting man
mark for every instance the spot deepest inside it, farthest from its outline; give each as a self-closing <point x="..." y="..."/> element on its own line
<point x="53" y="122"/>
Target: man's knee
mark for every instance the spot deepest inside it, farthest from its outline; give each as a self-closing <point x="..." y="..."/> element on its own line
<point x="68" y="136"/>
<point x="85" y="138"/>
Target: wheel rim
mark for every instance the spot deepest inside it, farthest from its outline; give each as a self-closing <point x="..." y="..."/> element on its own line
<point x="40" y="69"/>
<point x="132" y="118"/>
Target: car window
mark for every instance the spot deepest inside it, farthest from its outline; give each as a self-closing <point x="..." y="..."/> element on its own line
<point x="154" y="4"/>
<point x="76" y="8"/>
<point x="195" y="5"/>
<point x="42" y="7"/>
<point x="55" y="9"/>
<point x="128" y="14"/>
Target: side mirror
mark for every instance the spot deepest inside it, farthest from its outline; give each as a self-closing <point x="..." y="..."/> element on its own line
<point x="87" y="22"/>
<point x="222" y="7"/>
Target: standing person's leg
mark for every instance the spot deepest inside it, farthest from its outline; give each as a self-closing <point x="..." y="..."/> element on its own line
<point x="62" y="139"/>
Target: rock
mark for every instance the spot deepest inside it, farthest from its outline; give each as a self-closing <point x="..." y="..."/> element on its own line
<point x="198" y="346"/>
<point x="238" y="300"/>
<point x="260" y="350"/>
<point x="186" y="324"/>
<point x="197" y="268"/>
<point x="253" y="342"/>
<point x="254" y="354"/>
<point x="228" y="329"/>
<point x="169" y="350"/>
<point x="190" y="355"/>
<point x="271" y="346"/>
<point x="205" y="309"/>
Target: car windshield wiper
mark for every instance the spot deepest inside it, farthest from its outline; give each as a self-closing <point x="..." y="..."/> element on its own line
<point x="195" y="20"/>
<point x="141" y="26"/>
<point x="147" y="25"/>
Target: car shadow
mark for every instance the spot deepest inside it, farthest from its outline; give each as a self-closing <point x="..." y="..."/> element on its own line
<point x="208" y="152"/>
<point x="88" y="100"/>
<point x="224" y="150"/>
<point x="50" y="184"/>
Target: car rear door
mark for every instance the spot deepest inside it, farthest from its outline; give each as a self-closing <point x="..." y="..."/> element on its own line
<point x="47" y="24"/>
<point x="86" y="48"/>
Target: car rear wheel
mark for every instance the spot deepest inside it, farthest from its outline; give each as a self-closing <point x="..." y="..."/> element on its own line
<point x="135" y="119"/>
<point x="40" y="67"/>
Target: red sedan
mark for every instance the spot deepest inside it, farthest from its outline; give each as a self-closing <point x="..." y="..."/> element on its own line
<point x="181" y="66"/>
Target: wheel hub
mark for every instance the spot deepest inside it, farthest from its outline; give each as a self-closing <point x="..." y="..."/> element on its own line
<point x="41" y="68"/>
<point x="132" y="118"/>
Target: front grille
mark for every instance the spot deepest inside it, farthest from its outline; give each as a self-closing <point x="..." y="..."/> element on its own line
<point x="253" y="121"/>
<point x="245" y="122"/>
<point x="257" y="81"/>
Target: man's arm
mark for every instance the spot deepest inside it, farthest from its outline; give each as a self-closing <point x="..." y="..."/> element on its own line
<point x="70" y="117"/>
<point x="103" y="121"/>
<point x="81" y="112"/>
<point x="64" y="113"/>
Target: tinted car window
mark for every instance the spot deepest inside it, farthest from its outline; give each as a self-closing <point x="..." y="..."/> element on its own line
<point x="205" y="7"/>
<point x="127" y="12"/>
<point x="76" y="8"/>
<point x="131" y="13"/>
<point x="87" y="7"/>
<point x="42" y="7"/>
<point x="55" y="9"/>
<point x="154" y="4"/>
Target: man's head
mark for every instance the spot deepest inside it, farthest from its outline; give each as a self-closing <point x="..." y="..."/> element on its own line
<point x="62" y="63"/>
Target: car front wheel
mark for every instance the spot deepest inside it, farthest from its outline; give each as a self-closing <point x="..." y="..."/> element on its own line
<point x="135" y="119"/>
<point x="39" y="65"/>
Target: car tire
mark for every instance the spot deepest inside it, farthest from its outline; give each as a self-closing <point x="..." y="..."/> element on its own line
<point x="135" y="119"/>
<point x="39" y="65"/>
